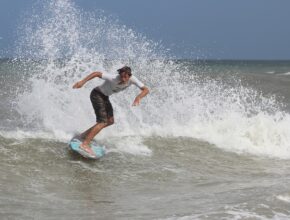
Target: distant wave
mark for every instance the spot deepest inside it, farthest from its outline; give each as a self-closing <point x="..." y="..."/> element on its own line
<point x="286" y="74"/>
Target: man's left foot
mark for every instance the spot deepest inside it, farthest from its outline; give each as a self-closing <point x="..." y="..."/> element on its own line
<point x="87" y="149"/>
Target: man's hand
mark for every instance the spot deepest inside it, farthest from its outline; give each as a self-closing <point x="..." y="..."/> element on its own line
<point x="78" y="84"/>
<point x="136" y="101"/>
<point x="144" y="92"/>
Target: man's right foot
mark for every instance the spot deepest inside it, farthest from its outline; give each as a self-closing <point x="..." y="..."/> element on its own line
<point x="87" y="149"/>
<point x="80" y="137"/>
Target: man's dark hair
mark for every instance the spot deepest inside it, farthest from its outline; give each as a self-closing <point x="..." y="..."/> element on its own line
<point x="125" y="69"/>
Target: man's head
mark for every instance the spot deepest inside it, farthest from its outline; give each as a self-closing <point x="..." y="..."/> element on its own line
<point x="125" y="74"/>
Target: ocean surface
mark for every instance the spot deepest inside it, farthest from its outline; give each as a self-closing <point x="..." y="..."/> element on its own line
<point x="210" y="141"/>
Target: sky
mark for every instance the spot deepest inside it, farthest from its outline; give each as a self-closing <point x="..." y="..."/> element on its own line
<point x="223" y="29"/>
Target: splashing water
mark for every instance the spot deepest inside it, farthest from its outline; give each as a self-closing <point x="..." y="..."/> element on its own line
<point x="69" y="44"/>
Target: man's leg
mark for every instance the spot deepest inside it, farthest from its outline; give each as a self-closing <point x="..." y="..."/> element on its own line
<point x="92" y="132"/>
<point x="85" y="133"/>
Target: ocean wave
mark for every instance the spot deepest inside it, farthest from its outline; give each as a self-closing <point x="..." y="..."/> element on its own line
<point x="286" y="74"/>
<point x="181" y="102"/>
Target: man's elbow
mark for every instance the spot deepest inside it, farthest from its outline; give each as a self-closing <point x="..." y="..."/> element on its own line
<point x="145" y="89"/>
<point x="98" y="74"/>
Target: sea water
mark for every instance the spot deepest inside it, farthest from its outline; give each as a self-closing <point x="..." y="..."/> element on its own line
<point x="210" y="141"/>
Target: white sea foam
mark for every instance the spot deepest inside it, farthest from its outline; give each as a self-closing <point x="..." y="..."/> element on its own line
<point x="284" y="198"/>
<point x="180" y="103"/>
<point x="131" y="145"/>
<point x="286" y="74"/>
<point x="20" y="134"/>
<point x="231" y="215"/>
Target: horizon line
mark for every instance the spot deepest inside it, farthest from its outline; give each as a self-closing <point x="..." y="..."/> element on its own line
<point x="176" y="59"/>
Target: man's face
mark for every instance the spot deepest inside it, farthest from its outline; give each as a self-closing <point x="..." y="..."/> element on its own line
<point x="124" y="77"/>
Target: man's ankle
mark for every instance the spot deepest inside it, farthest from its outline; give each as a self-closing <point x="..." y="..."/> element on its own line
<point x="87" y="143"/>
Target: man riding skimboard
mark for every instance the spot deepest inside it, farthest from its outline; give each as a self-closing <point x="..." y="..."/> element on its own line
<point x="101" y="103"/>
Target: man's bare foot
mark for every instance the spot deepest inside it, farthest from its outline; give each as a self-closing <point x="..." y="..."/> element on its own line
<point x="80" y="137"/>
<point x="87" y="149"/>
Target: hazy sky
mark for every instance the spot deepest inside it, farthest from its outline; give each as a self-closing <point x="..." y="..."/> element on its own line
<point x="220" y="29"/>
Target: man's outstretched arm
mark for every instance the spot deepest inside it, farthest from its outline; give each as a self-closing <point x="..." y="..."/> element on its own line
<point x="79" y="84"/>
<point x="138" y="98"/>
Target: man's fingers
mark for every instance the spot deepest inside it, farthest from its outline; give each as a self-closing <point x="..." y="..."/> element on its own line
<point x="77" y="85"/>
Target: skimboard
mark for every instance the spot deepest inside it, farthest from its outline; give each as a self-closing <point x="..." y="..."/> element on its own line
<point x="99" y="150"/>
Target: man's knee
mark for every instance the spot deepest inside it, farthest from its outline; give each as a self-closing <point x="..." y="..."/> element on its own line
<point x="110" y="121"/>
<point x="106" y="123"/>
<point x="102" y="124"/>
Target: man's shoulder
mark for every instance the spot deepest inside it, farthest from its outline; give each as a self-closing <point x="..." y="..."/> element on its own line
<point x="136" y="81"/>
<point x="133" y="78"/>
<point x="109" y="76"/>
